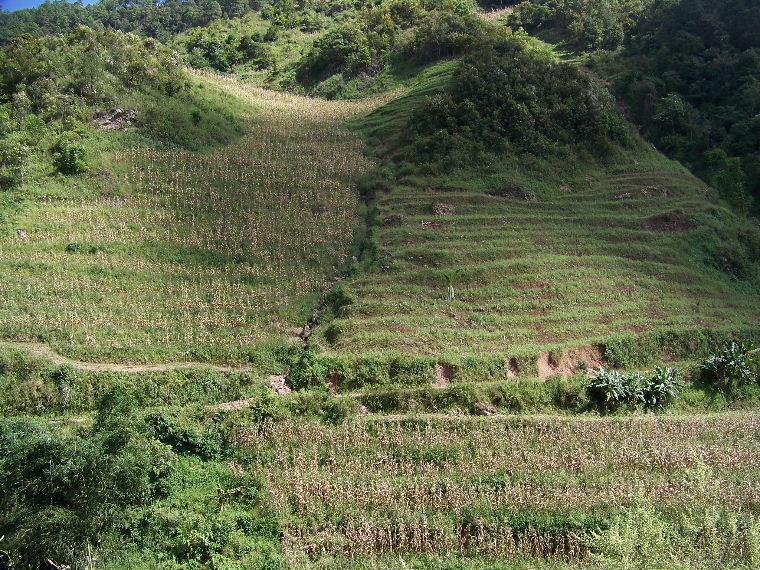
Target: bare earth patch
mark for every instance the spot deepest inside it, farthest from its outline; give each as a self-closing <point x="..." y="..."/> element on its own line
<point x="670" y="222"/>
<point x="571" y="362"/>
<point x="444" y="375"/>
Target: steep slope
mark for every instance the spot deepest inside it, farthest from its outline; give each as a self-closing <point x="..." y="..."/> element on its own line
<point x="689" y="75"/>
<point x="508" y="182"/>
<point x="158" y="253"/>
<point x="545" y="250"/>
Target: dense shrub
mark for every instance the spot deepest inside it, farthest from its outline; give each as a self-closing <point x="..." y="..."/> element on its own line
<point x="344" y="49"/>
<point x="69" y="155"/>
<point x="735" y="366"/>
<point x="155" y="18"/>
<point x="400" y="31"/>
<point x="689" y="75"/>
<point x="220" y="47"/>
<point x="442" y="34"/>
<point x="589" y="24"/>
<point x="660" y="389"/>
<point x="13" y="155"/>
<point x="59" y="492"/>
<point x="611" y="390"/>
<point x="504" y="97"/>
<point x="57" y="75"/>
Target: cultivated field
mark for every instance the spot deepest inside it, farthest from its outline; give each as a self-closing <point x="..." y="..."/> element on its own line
<point x="193" y="256"/>
<point x="538" y="487"/>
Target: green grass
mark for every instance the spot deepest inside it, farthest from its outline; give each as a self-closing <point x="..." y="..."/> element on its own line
<point x="628" y="244"/>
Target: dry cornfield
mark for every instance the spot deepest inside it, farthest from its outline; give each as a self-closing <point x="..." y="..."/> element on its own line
<point x="208" y="256"/>
<point x="451" y="486"/>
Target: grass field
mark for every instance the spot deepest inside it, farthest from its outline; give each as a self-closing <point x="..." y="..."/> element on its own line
<point x="204" y="256"/>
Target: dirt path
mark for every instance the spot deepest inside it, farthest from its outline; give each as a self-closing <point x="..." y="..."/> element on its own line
<point x="39" y="350"/>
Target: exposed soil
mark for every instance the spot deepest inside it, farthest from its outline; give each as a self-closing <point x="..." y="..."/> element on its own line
<point x="444" y="375"/>
<point x="443" y="209"/>
<point x="513" y="370"/>
<point x="498" y="13"/>
<point x="393" y="220"/>
<point x="234" y="405"/>
<point x="279" y="384"/>
<point x="571" y="361"/>
<point x="514" y="191"/>
<point x="116" y="119"/>
<point x="334" y="382"/>
<point x="484" y="409"/>
<point x="670" y="222"/>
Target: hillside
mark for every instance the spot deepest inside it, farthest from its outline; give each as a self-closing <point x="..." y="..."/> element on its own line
<point x="543" y="253"/>
<point x="386" y="286"/>
<point x="689" y="76"/>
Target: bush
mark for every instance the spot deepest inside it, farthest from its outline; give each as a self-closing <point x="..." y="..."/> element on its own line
<point x="611" y="390"/>
<point x="566" y="394"/>
<point x="69" y="155"/>
<point x="503" y="98"/>
<point x="12" y="163"/>
<point x="184" y="438"/>
<point x="661" y="389"/>
<point x="345" y="49"/>
<point x="306" y="370"/>
<point x="442" y="34"/>
<point x="734" y="367"/>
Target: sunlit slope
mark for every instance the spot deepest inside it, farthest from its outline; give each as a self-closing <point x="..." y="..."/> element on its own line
<point x="192" y="256"/>
<point x="541" y="254"/>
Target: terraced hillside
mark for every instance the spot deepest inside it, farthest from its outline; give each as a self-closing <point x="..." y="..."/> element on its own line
<point x="574" y="264"/>
<point x="542" y="255"/>
<point x="476" y="324"/>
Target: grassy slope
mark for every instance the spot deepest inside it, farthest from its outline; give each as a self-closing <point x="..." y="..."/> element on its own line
<point x="608" y="249"/>
<point x="391" y="492"/>
<point x="181" y="255"/>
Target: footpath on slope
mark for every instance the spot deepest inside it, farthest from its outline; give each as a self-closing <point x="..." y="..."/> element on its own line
<point x="40" y="350"/>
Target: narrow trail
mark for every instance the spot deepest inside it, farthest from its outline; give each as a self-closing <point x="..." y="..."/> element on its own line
<point x="39" y="350"/>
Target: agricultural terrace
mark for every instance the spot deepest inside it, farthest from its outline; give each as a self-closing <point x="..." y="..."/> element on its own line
<point x="540" y="253"/>
<point x="204" y="256"/>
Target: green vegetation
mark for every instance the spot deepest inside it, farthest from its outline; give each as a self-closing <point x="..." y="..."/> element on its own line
<point x="102" y="271"/>
<point x="523" y="224"/>
<point x="131" y="489"/>
<point x="448" y="311"/>
<point x="587" y="24"/>
<point x="689" y="76"/>
<point x="146" y="17"/>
